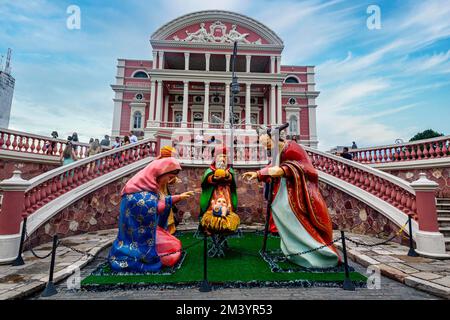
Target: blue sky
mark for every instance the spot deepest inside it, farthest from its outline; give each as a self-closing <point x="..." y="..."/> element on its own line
<point x="376" y="85"/>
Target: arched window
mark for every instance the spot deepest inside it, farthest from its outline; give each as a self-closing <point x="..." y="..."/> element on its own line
<point x="137" y="120"/>
<point x="291" y="79"/>
<point x="140" y="74"/>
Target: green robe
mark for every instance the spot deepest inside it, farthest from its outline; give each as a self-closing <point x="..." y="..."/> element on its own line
<point x="208" y="189"/>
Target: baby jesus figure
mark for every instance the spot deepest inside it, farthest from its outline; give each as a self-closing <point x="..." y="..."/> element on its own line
<point x="220" y="208"/>
<point x="220" y="219"/>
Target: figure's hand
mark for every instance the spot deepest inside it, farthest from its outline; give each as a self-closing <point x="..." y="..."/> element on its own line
<point x="276" y="172"/>
<point x="186" y="195"/>
<point x="249" y="176"/>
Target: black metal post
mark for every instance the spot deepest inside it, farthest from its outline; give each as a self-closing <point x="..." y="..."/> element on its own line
<point x="348" y="284"/>
<point x="19" y="260"/>
<point x="205" y="286"/>
<point x="266" y="225"/>
<point x="50" y="288"/>
<point x="411" y="252"/>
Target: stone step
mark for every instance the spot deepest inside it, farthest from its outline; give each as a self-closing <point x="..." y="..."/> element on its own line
<point x="445" y="231"/>
<point x="443" y="213"/>
<point x="444" y="221"/>
<point x="443" y="199"/>
<point x="443" y="204"/>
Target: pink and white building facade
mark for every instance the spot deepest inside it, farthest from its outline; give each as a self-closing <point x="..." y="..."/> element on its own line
<point x="186" y="86"/>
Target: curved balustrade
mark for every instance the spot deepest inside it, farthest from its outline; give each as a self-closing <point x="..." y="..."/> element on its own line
<point x="387" y="187"/>
<point x="12" y="140"/>
<point x="52" y="184"/>
<point x="418" y="150"/>
<point x="251" y="154"/>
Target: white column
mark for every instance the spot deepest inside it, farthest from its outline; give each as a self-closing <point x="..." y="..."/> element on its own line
<point x="248" y="59"/>
<point x="264" y="110"/>
<point x="312" y="125"/>
<point x="227" y="104"/>
<point x="185" y="104"/>
<point x="158" y="109"/>
<point x="248" y="124"/>
<point x="117" y="114"/>
<point x="161" y="60"/>
<point x="278" y="64"/>
<point x="152" y="103"/>
<point x="273" y="119"/>
<point x="186" y="61"/>
<point x="166" y="109"/>
<point x="207" y="60"/>
<point x="155" y="58"/>
<point x="279" y="105"/>
<point x="272" y="64"/>
<point x="206" y="106"/>
<point x="227" y="62"/>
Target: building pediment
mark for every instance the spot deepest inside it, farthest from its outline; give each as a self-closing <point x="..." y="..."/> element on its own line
<point x="217" y="27"/>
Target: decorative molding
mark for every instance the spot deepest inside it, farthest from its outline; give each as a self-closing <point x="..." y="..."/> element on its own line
<point x="202" y="35"/>
<point x="213" y="15"/>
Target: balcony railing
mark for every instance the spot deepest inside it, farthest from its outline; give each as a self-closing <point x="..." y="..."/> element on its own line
<point x="18" y="141"/>
<point x="418" y="150"/>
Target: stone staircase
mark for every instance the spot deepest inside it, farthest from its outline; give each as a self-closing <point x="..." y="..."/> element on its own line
<point x="443" y="211"/>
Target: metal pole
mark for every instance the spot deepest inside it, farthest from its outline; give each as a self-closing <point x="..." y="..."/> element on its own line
<point x="205" y="286"/>
<point x="234" y="89"/>
<point x="411" y="252"/>
<point x="348" y="284"/>
<point x="19" y="260"/>
<point x="50" y="289"/>
<point x="266" y="225"/>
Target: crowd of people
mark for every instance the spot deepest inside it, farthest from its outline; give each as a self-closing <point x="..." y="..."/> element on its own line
<point x="96" y="146"/>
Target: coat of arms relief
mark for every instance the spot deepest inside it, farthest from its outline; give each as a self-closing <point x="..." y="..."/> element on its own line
<point x="217" y="33"/>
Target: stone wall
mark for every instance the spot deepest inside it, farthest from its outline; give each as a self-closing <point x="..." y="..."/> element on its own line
<point x="29" y="169"/>
<point x="100" y="209"/>
<point x="439" y="175"/>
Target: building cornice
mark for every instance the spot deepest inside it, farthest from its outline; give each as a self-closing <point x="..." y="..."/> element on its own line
<point x="212" y="15"/>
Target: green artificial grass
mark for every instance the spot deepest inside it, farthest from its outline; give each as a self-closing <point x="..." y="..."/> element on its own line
<point x="242" y="264"/>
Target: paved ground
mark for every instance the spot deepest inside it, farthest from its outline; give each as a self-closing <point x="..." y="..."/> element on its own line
<point x="402" y="275"/>
<point x="389" y="289"/>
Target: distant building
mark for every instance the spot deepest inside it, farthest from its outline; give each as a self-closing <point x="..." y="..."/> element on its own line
<point x="6" y="91"/>
<point x="186" y="86"/>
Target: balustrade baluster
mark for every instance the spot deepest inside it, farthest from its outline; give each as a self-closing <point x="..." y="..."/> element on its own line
<point x="372" y="184"/>
<point x="425" y="150"/>
<point x="419" y="152"/>
<point x="27" y="204"/>
<point x="444" y="148"/>
<point x="438" y="150"/>
<point x="413" y="153"/>
<point x="402" y="154"/>
<point x="14" y="144"/>
<point x="375" y="156"/>
<point x="2" y="140"/>
<point x="20" y="144"/>
<point x="377" y="186"/>
<point x="431" y="152"/>
<point x="8" y="141"/>
<point x="38" y="146"/>
<point x="407" y="154"/>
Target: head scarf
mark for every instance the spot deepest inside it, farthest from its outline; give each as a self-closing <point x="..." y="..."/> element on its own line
<point x="166" y="151"/>
<point x="146" y="179"/>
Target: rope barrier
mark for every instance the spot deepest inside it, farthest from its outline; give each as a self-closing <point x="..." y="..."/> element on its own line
<point x="34" y="253"/>
<point x="107" y="259"/>
<point x="399" y="232"/>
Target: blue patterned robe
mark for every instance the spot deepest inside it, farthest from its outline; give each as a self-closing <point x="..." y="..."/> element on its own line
<point x="134" y="250"/>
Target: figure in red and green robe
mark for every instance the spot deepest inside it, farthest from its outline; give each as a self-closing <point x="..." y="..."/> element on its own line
<point x="218" y="201"/>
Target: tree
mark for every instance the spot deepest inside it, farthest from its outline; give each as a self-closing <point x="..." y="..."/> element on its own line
<point x="427" y="134"/>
